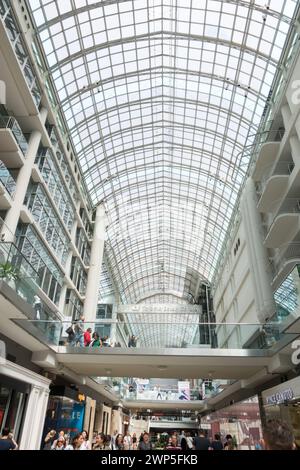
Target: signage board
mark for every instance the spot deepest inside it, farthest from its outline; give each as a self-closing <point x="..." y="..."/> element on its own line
<point x="280" y="397"/>
<point x="160" y="308"/>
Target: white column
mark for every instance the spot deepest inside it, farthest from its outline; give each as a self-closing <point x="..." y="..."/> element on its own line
<point x="34" y="418"/>
<point x="113" y="330"/>
<point x="295" y="148"/>
<point x="93" y="282"/>
<point x="63" y="294"/>
<point x="286" y="115"/>
<point x="13" y="215"/>
<point x="116" y="421"/>
<point x="259" y="263"/>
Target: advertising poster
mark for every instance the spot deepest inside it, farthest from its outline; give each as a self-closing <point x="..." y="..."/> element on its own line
<point x="142" y="389"/>
<point x="184" y="390"/>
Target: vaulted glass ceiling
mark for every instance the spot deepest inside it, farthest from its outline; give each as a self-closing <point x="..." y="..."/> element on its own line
<point x="160" y="98"/>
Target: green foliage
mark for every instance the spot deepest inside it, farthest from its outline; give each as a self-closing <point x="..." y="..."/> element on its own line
<point x="162" y="442"/>
<point x="234" y="441"/>
<point x="9" y="272"/>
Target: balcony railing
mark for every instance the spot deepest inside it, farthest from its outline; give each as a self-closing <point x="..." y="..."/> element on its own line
<point x="69" y="338"/>
<point x="286" y="253"/>
<point x="9" y="122"/>
<point x="282" y="168"/>
<point x="289" y="206"/>
<point x="20" y="275"/>
<point x="133" y="390"/>
<point x="7" y="180"/>
<point x="19" y="45"/>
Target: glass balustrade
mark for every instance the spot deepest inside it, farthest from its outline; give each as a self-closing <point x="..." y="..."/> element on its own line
<point x="152" y="390"/>
<point x="9" y="122"/>
<point x="18" y="43"/>
<point x="7" y="180"/>
<point x="20" y="276"/>
<point x="110" y="335"/>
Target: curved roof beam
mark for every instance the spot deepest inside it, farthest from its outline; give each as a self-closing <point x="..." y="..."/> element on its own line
<point x="166" y="69"/>
<point x="176" y="294"/>
<point x="152" y="101"/>
<point x="103" y="3"/>
<point x="181" y="54"/>
<point x="168" y="34"/>
<point x="192" y="149"/>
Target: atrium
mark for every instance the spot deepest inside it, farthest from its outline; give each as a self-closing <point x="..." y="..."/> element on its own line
<point x="149" y="218"/>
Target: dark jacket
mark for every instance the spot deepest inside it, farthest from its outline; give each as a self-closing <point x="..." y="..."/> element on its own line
<point x="201" y="443"/>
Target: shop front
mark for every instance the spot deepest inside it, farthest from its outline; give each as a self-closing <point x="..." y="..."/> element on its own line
<point x="65" y="412"/>
<point x="23" y="402"/>
<point x="283" y="402"/>
<point x="13" y="398"/>
<point x="241" y="420"/>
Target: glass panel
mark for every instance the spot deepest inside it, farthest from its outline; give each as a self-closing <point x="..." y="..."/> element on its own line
<point x="161" y="99"/>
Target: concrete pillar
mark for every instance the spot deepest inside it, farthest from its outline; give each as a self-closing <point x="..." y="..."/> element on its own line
<point x="117" y="421"/>
<point x="34" y="418"/>
<point x="13" y="215"/>
<point x="259" y="263"/>
<point x="43" y="115"/>
<point x="93" y="282"/>
<point x="62" y="300"/>
<point x="63" y="294"/>
<point x="89" y="416"/>
<point x="295" y="149"/>
<point x="99" y="418"/>
<point x="286" y="115"/>
<point x="113" y="330"/>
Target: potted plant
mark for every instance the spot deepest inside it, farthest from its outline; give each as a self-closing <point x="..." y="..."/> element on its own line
<point x="8" y="272"/>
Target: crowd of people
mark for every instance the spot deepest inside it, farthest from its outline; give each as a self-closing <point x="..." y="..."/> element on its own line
<point x="278" y="435"/>
<point x="61" y="441"/>
<point x="80" y="336"/>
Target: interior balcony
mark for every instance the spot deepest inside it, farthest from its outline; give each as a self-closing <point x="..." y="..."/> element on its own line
<point x="285" y="225"/>
<point x="265" y="159"/>
<point x="13" y="144"/>
<point x="284" y="260"/>
<point x="272" y="188"/>
<point x="7" y="187"/>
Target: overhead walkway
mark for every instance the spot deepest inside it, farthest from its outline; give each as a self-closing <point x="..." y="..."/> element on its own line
<point x="224" y="351"/>
<point x="234" y="354"/>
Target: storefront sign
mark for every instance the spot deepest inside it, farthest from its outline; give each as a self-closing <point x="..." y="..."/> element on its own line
<point x="280" y="397"/>
<point x="160" y="308"/>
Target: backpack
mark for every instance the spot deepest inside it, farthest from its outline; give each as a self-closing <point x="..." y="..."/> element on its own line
<point x="70" y="331"/>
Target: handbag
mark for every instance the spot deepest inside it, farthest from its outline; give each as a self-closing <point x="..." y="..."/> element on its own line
<point x="70" y="330"/>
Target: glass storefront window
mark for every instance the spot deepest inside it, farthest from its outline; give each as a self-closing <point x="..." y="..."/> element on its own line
<point x="64" y="414"/>
<point x="12" y="406"/>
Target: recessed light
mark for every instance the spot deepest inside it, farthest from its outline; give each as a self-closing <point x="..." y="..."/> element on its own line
<point x="162" y="367"/>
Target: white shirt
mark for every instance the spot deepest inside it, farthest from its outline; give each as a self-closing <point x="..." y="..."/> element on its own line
<point x="86" y="445"/>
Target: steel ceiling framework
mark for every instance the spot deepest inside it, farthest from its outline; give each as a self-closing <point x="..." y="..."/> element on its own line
<point x="160" y="98"/>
